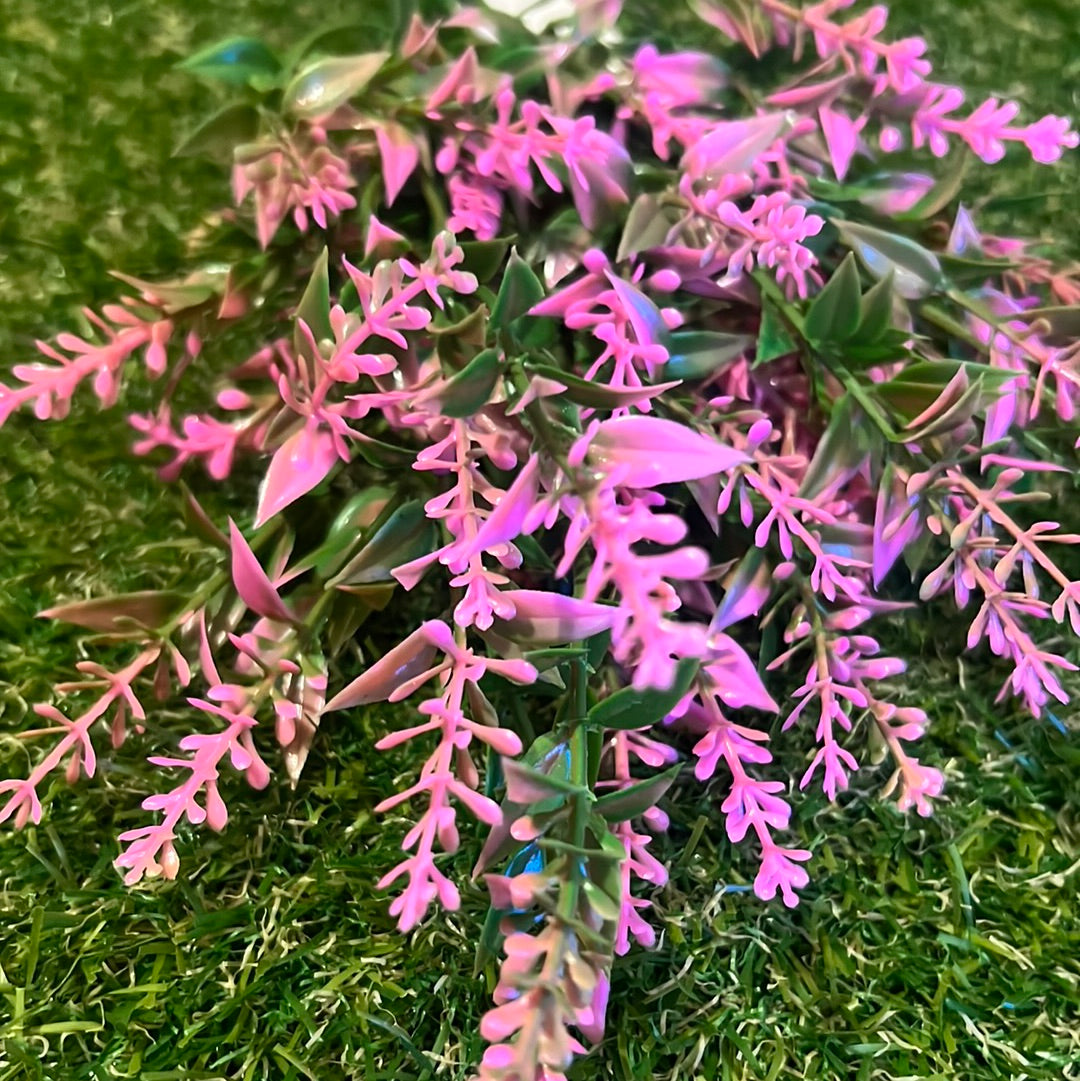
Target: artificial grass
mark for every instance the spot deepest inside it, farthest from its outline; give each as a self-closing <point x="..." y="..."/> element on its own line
<point x="946" y="948"/>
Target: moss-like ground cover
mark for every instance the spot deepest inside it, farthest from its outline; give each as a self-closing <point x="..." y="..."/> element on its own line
<point x="939" y="949"/>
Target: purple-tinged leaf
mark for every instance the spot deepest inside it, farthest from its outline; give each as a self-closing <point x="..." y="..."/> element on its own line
<point x="747" y="590"/>
<point x="636" y="799"/>
<point x="399" y="156"/>
<point x="149" y="608"/>
<point x="298" y="465"/>
<point x="252" y="584"/>
<point x="542" y="618"/>
<point x="649" y="451"/>
<point x="407" y="660"/>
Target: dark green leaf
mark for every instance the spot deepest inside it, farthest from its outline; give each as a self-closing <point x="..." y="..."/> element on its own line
<point x="695" y="354"/>
<point x="406" y="535"/>
<point x="834" y="313"/>
<point x="225" y="130"/>
<point x="774" y="339"/>
<point x="876" y="310"/>
<point x="593" y="395"/>
<point x="519" y="291"/>
<point x="628" y="708"/>
<point x="314" y="307"/>
<point x="637" y="798"/>
<point x="237" y="61"/>
<point x="470" y="389"/>
<point x="484" y="258"/>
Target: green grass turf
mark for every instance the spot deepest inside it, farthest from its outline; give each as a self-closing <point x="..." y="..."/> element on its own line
<point x="939" y="949"/>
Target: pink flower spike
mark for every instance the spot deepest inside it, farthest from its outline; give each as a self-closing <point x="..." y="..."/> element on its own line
<point x="644" y="452"/>
<point x="252" y="584"/>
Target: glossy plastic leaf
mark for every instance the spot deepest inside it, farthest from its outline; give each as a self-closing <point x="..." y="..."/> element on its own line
<point x="834" y="313"/>
<point x="696" y="354"/>
<point x="230" y="127"/>
<point x="321" y="87"/>
<point x="405" y="535"/>
<point x="876" y="310"/>
<point x="314" y="306"/>
<point x="629" y="708"/>
<point x="774" y="339"/>
<point x="237" y="61"/>
<point x="917" y="271"/>
<point x="147" y="608"/>
<point x="636" y="799"/>
<point x="484" y="258"/>
<point x="252" y="584"/>
<point x="842" y="449"/>
<point x="298" y="465"/>
<point x="519" y="291"/>
<point x="1063" y="322"/>
<point x="469" y="390"/>
<point x="408" y="659"/>
<point x="597" y="395"/>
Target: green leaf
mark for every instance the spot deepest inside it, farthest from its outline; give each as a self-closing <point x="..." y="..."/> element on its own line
<point x="695" y="354"/>
<point x="519" y="291"/>
<point x="236" y="60"/>
<point x="917" y="271"/>
<point x="629" y="708"/>
<point x="230" y="127"/>
<point x="844" y="445"/>
<point x="774" y="339"/>
<point x="637" y="798"/>
<point x="346" y="532"/>
<point x="321" y="87"/>
<point x="593" y="395"/>
<point x="406" y="535"/>
<point x="647" y="226"/>
<point x="484" y="258"/>
<point x="965" y="271"/>
<point x="876" y="310"/>
<point x="834" y="313"/>
<point x="314" y="307"/>
<point x="470" y="389"/>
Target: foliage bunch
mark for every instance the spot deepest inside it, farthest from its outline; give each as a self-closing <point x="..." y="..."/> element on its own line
<point x="624" y="383"/>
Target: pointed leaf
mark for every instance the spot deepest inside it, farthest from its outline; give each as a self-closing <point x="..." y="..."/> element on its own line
<point x="636" y="799"/>
<point x="629" y="709"/>
<point x="842" y="449"/>
<point x="597" y="395"/>
<point x="147" y="608"/>
<point x="314" y="306"/>
<point x="407" y="660"/>
<point x="251" y="582"/>
<point x="519" y="292"/>
<point x="484" y="258"/>
<point x="917" y="271"/>
<point x="774" y="339"/>
<point x="230" y="127"/>
<point x="470" y="389"/>
<point x="404" y="536"/>
<point x="834" y="313"/>
<point x="697" y="354"/>
<point x="298" y="465"/>
<point x="321" y="87"/>
<point x="876" y="310"/>
<point x="237" y="61"/>
<point x="649" y="451"/>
